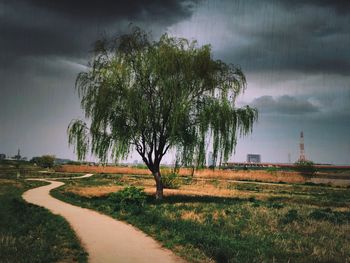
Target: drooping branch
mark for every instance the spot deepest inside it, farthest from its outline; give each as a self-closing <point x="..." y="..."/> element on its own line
<point x="161" y="95"/>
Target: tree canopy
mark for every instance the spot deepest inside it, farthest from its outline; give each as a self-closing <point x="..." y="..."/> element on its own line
<point x="46" y="161"/>
<point x="153" y="96"/>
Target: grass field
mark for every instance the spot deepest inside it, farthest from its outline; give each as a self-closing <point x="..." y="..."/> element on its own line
<point x="267" y="176"/>
<point x="29" y="233"/>
<point x="22" y="170"/>
<point x="222" y="221"/>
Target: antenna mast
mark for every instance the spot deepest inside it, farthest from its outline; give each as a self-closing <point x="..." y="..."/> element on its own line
<point x="302" y="148"/>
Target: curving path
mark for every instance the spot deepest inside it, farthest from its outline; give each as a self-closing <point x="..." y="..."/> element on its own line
<point x="104" y="238"/>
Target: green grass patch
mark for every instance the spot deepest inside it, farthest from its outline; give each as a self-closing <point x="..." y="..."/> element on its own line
<point x="29" y="233"/>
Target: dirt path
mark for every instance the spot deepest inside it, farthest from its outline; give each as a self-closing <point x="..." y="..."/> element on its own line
<point x="104" y="238"/>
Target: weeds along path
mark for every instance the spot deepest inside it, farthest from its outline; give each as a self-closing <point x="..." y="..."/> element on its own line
<point x="104" y="238"/>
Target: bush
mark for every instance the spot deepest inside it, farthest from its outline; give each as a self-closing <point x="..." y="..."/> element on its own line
<point x="277" y="206"/>
<point x="45" y="161"/>
<point x="290" y="216"/>
<point x="140" y="166"/>
<point x="187" y="180"/>
<point x="272" y="170"/>
<point x="327" y="214"/>
<point x="305" y="167"/>
<point x="130" y="199"/>
<point x="171" y="181"/>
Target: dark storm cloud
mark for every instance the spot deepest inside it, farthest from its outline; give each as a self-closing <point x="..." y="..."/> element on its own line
<point x="67" y="28"/>
<point x="169" y="10"/>
<point x="341" y="6"/>
<point x="284" y="105"/>
<point x="305" y="36"/>
<point x="23" y="40"/>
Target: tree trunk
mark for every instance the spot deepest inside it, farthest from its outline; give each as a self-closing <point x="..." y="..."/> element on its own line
<point x="159" y="185"/>
<point x="193" y="168"/>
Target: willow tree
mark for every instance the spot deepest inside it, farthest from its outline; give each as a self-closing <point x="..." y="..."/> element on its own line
<point x="153" y="96"/>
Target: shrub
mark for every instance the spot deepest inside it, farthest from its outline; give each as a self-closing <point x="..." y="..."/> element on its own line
<point x="327" y="214"/>
<point x="276" y="205"/>
<point x="140" y="166"/>
<point x="248" y="187"/>
<point x="45" y="161"/>
<point x="215" y="182"/>
<point x="130" y="199"/>
<point x="272" y="170"/>
<point x="187" y="180"/>
<point x="290" y="216"/>
<point x="305" y="167"/>
<point x="171" y="181"/>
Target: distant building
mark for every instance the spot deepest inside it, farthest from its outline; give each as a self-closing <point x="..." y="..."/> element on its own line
<point x="2" y="156"/>
<point x="253" y="158"/>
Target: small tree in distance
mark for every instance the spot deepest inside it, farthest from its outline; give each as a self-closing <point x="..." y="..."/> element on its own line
<point x="306" y="167"/>
<point x="46" y="161"/>
<point x="155" y="96"/>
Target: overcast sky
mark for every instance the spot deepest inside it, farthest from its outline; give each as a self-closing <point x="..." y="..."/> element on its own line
<point x="295" y="55"/>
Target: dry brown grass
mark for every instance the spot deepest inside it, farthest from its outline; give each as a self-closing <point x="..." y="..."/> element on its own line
<point x="200" y="188"/>
<point x="100" y="169"/>
<point x="94" y="191"/>
<point x="193" y="216"/>
<point x="205" y="189"/>
<point x="97" y="191"/>
<point x="10" y="182"/>
<point x="264" y="176"/>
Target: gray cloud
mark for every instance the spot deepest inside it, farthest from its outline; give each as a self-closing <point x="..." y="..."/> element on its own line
<point x="304" y="36"/>
<point x="68" y="28"/>
<point x="107" y="10"/>
<point x="284" y="105"/>
<point x="341" y="6"/>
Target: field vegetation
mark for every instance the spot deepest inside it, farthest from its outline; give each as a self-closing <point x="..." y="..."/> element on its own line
<point x="208" y="217"/>
<point x="13" y="169"/>
<point x="258" y="175"/>
<point x="215" y="220"/>
<point x="29" y="233"/>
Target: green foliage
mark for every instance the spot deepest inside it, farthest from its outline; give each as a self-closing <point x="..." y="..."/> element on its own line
<point x="140" y="166"/>
<point x="131" y="198"/>
<point x="248" y="187"/>
<point x="171" y="181"/>
<point x="305" y="167"/>
<point x="154" y="96"/>
<point x="272" y="170"/>
<point x="46" y="161"/>
<point x="188" y="180"/>
<point x="215" y="182"/>
<point x="336" y="217"/>
<point x="74" y="163"/>
<point x="275" y="205"/>
<point x="291" y="216"/>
